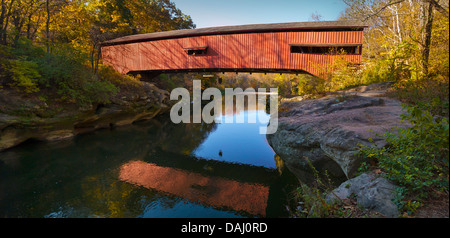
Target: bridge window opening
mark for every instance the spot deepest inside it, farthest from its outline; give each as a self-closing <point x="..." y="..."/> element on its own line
<point x="305" y="49"/>
<point x="195" y="50"/>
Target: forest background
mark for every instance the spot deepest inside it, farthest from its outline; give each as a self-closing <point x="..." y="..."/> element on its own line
<point x="55" y="44"/>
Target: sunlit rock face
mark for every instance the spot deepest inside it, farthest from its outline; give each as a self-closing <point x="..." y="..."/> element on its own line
<point x="333" y="127"/>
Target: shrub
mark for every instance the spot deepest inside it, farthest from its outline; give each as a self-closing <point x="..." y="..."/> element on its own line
<point x="24" y="49"/>
<point x="427" y="94"/>
<point x="416" y="157"/>
<point x="307" y="84"/>
<point x="30" y="69"/>
<point x="74" y="81"/>
<point x="310" y="201"/>
<point x="23" y="75"/>
<point x="120" y="81"/>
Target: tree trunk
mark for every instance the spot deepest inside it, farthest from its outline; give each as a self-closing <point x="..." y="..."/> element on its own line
<point x="93" y="57"/>
<point x="47" y="27"/>
<point x="99" y="52"/>
<point x="426" y="37"/>
<point x="439" y="7"/>
<point x="5" y="21"/>
<point x="2" y="18"/>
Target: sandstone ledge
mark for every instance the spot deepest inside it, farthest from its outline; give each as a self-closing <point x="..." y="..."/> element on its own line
<point x="328" y="130"/>
<point x="124" y="110"/>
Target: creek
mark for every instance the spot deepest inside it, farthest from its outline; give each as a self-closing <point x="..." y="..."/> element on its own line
<point x="153" y="168"/>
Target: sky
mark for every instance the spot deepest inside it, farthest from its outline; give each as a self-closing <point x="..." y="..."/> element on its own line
<point x="210" y="13"/>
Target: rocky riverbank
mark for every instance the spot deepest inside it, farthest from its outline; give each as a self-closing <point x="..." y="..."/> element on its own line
<point x="327" y="131"/>
<point x="23" y="117"/>
<point x="330" y="129"/>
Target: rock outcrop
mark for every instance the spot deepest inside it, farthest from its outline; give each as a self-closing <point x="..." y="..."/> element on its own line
<point x="329" y="130"/>
<point x="372" y="192"/>
<point x="36" y="124"/>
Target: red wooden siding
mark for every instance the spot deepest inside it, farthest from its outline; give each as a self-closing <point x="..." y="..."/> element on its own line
<point x="269" y="50"/>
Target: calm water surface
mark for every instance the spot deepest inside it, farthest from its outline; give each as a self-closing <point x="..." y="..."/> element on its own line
<point x="149" y="169"/>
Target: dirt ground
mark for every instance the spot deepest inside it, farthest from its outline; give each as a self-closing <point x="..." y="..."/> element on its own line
<point x="435" y="208"/>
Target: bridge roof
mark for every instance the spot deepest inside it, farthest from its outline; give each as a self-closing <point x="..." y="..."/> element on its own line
<point x="253" y="28"/>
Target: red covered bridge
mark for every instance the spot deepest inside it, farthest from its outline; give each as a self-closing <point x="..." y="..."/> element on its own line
<point x="298" y="47"/>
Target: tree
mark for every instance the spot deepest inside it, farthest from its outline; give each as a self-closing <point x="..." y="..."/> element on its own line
<point x="393" y="22"/>
<point x="47" y="26"/>
<point x="5" y="13"/>
<point x="441" y="7"/>
<point x="316" y="16"/>
<point x="84" y="24"/>
<point x="426" y="36"/>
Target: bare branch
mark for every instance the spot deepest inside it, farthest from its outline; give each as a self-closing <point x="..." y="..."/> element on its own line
<point x="382" y="8"/>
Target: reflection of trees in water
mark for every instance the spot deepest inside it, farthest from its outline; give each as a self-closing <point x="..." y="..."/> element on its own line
<point x="137" y="142"/>
<point x="181" y="138"/>
<point x="81" y="172"/>
<point x="79" y="178"/>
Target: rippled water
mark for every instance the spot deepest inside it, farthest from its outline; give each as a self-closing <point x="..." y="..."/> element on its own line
<point x="149" y="169"/>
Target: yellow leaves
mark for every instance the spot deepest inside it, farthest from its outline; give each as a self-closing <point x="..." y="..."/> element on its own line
<point x="123" y="24"/>
<point x="115" y="18"/>
<point x="80" y="45"/>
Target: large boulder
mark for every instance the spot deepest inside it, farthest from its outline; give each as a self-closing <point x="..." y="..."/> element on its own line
<point x="372" y="192"/>
<point x="330" y="129"/>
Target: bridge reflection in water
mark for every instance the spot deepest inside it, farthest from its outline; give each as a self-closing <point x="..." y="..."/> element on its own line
<point x="152" y="168"/>
<point x="212" y="191"/>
